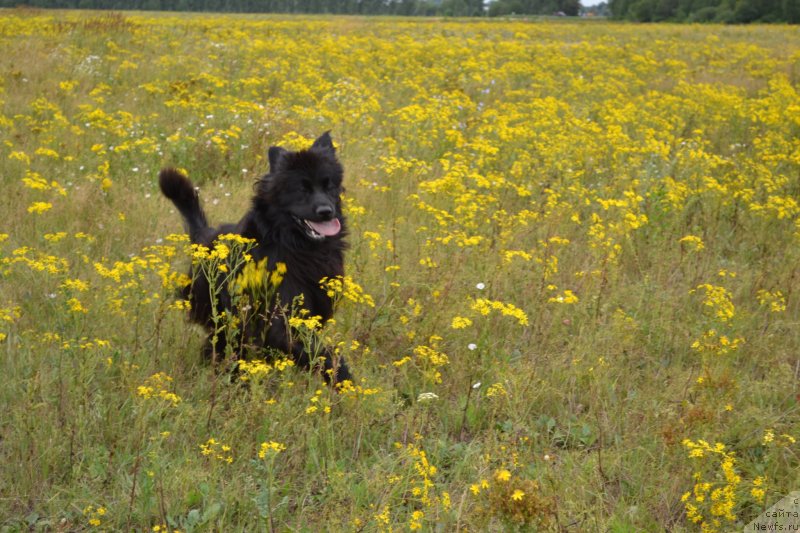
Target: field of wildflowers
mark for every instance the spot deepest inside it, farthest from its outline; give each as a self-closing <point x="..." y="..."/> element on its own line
<point x="571" y="298"/>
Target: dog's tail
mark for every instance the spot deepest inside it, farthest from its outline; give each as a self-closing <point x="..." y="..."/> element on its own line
<point x="180" y="190"/>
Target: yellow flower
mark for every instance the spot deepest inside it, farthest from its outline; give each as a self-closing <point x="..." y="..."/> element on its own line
<point x="496" y="389"/>
<point x="693" y="243"/>
<point x="39" y="207"/>
<point x="502" y="475"/>
<point x="719" y="300"/>
<point x="55" y="237"/>
<point x="271" y="448"/>
<point x="416" y="520"/>
<point x="568" y="297"/>
<point x="76" y="306"/>
<point x="517" y="495"/>
<point x="460" y="322"/>
<point x="75" y="284"/>
<point x="775" y="300"/>
<point x="484" y="307"/>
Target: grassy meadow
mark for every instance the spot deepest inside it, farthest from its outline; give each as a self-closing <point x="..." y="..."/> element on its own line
<point x="571" y="301"/>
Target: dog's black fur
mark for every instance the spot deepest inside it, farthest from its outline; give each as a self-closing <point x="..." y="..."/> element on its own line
<point x="299" y="195"/>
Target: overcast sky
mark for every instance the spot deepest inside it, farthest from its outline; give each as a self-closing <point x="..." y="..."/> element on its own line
<point x="588" y="3"/>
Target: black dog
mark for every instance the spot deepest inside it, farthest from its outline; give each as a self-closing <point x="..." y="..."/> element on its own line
<point x="295" y="219"/>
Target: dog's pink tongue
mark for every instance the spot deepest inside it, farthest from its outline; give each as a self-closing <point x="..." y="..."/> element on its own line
<point x="328" y="228"/>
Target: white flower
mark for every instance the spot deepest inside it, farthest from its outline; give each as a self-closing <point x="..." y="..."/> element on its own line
<point x="427" y="396"/>
<point x="477" y="385"/>
<point x="480" y="286"/>
<point x="472" y="346"/>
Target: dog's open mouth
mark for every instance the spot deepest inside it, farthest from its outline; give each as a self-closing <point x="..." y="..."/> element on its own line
<point x="320" y="230"/>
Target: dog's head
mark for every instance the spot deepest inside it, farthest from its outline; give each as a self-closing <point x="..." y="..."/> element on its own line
<point x="303" y="188"/>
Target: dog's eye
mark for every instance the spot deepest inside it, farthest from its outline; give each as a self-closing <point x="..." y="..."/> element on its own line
<point x="307" y="186"/>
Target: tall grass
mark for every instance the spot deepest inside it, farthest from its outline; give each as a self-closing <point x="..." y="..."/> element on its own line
<point x="579" y="244"/>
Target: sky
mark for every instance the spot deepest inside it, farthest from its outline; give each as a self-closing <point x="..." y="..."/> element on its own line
<point x="588" y="3"/>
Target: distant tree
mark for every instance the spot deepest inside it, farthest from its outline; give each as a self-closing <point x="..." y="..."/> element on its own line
<point x="619" y="8"/>
<point x="739" y="11"/>
<point x="502" y="8"/>
<point x="570" y="7"/>
<point x="791" y="11"/>
<point x="665" y="10"/>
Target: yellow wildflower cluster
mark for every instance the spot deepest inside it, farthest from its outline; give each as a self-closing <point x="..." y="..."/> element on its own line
<point x="9" y="315"/>
<point x="134" y="278"/>
<point x="95" y="515"/>
<point x="218" y="451"/>
<point x="318" y="403"/>
<point x="484" y="307"/>
<point x="429" y="359"/>
<point x="496" y="390"/>
<point x="270" y="449"/>
<point x="774" y="300"/>
<point x="567" y="297"/>
<point x="718" y="300"/>
<point x="344" y="286"/>
<point x="460" y="322"/>
<point x="37" y="261"/>
<point x="309" y="323"/>
<point x="516" y="500"/>
<point x="713" y="343"/>
<point x="422" y="491"/>
<point x="349" y="390"/>
<point x="711" y="504"/>
<point x="783" y="439"/>
<point x="157" y="386"/>
<point x="255" y="279"/>
<point x="259" y="369"/>
<point x="692" y="243"/>
<point x="83" y="343"/>
<point x="39" y="207"/>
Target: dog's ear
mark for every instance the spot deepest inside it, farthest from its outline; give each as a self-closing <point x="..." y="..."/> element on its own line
<point x="324" y="143"/>
<point x="275" y="155"/>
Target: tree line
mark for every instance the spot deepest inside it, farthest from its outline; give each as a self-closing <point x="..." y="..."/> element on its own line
<point x="458" y="8"/>
<point x="728" y="11"/>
